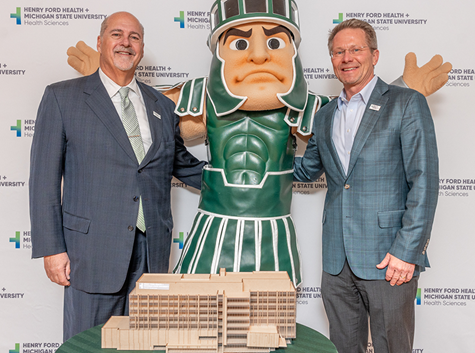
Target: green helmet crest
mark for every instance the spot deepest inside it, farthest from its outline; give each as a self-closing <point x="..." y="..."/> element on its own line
<point x="230" y="13"/>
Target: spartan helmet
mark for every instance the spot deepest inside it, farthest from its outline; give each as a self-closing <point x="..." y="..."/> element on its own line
<point x="230" y="13"/>
<point x="226" y="14"/>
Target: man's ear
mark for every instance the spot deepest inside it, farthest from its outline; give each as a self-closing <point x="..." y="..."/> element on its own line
<point x="375" y="57"/>
<point x="99" y="44"/>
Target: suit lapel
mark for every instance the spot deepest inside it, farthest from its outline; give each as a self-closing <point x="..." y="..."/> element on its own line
<point x="156" y="123"/>
<point x="329" y="117"/>
<point x="101" y="104"/>
<point x="368" y="121"/>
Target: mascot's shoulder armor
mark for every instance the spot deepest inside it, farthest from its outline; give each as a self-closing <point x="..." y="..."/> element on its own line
<point x="193" y="92"/>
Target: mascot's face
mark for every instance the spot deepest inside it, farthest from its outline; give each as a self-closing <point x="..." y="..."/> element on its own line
<point x="258" y="63"/>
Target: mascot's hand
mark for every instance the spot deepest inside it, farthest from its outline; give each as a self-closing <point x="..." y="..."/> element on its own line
<point x="83" y="58"/>
<point x="428" y="78"/>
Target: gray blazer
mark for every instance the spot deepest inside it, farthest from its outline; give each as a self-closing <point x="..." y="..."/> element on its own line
<point x="80" y="140"/>
<point x="387" y="200"/>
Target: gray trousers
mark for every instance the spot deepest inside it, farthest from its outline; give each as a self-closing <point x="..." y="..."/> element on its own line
<point x="85" y="310"/>
<point x="350" y="300"/>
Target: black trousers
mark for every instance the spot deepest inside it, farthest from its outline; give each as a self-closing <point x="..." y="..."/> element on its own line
<point x="350" y="300"/>
<point x="85" y="310"/>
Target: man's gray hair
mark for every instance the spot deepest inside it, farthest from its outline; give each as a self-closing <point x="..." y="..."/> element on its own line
<point x="106" y="22"/>
<point x="353" y="23"/>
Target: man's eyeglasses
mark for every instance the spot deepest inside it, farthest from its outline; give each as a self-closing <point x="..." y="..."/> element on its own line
<point x="353" y="51"/>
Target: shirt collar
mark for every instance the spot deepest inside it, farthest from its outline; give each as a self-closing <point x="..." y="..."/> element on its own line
<point x="363" y="95"/>
<point x="112" y="88"/>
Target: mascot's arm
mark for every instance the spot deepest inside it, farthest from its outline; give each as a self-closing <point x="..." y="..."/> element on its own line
<point x="303" y="128"/>
<point x="85" y="60"/>
<point x="190" y="102"/>
<point x="192" y="123"/>
<point x="428" y="78"/>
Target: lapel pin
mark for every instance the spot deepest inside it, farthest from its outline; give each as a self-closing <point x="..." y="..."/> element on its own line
<point x="375" y="107"/>
<point x="156" y="114"/>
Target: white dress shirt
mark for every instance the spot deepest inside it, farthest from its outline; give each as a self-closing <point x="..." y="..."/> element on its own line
<point x="136" y="98"/>
<point x="347" y="120"/>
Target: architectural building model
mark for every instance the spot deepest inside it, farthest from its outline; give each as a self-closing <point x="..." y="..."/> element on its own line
<point x="225" y="312"/>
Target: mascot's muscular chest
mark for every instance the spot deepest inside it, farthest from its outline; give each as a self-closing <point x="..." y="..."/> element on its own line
<point x="248" y="144"/>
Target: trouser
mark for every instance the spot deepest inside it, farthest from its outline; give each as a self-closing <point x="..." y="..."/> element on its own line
<point x="85" y="310"/>
<point x="350" y="300"/>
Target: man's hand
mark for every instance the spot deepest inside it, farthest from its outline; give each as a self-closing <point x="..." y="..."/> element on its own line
<point x="428" y="78"/>
<point x="58" y="268"/>
<point x="83" y="58"/>
<point x="398" y="271"/>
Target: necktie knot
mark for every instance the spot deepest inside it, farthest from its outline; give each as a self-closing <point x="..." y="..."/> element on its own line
<point x="124" y="92"/>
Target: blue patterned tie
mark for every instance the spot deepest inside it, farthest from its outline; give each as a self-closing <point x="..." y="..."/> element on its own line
<point x="131" y="125"/>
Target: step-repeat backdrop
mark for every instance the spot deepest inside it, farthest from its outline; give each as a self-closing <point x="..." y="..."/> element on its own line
<point x="34" y="37"/>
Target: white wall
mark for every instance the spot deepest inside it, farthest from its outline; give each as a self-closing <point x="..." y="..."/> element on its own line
<point x="33" y="54"/>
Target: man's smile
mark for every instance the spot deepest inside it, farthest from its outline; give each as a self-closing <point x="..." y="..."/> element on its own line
<point x="124" y="51"/>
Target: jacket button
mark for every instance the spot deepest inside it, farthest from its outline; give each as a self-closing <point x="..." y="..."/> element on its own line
<point x="136" y="198"/>
<point x="131" y="228"/>
<point x="347" y="186"/>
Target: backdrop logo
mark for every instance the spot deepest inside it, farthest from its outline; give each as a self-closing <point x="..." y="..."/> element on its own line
<point x="339" y="19"/>
<point x="16" y="240"/>
<point x="419" y="296"/>
<point x="17" y="15"/>
<point x="17" y="128"/>
<point x="16" y="350"/>
<point x="179" y="240"/>
<point x="181" y="19"/>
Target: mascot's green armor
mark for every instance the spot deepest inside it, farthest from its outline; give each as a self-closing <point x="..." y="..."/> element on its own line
<point x="243" y="222"/>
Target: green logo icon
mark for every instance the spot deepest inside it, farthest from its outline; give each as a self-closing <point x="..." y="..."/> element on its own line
<point x="339" y="19"/>
<point x="181" y="19"/>
<point x="419" y="296"/>
<point x="16" y="240"/>
<point x="16" y="350"/>
<point x="179" y="240"/>
<point x="17" y="15"/>
<point x="17" y="128"/>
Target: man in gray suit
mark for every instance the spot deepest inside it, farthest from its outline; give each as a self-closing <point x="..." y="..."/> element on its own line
<point x="377" y="147"/>
<point x="102" y="159"/>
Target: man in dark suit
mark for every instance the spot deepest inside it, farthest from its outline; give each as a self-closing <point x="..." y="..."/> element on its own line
<point x="102" y="159"/>
<point x="376" y="144"/>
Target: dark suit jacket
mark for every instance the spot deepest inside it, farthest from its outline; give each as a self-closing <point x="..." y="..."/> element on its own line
<point x="80" y="140"/>
<point x="387" y="200"/>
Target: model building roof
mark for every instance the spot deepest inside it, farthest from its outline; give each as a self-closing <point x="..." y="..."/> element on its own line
<point x="206" y="284"/>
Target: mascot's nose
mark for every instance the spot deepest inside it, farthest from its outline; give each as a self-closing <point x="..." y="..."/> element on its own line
<point x="258" y="52"/>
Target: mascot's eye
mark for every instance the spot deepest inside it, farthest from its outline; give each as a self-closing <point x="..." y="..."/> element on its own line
<point x="275" y="43"/>
<point x="239" y="44"/>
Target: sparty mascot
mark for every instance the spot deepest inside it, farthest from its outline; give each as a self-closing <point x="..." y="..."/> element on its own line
<point x="249" y="108"/>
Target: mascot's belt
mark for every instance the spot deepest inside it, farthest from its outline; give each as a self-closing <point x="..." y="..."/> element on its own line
<point x="271" y="198"/>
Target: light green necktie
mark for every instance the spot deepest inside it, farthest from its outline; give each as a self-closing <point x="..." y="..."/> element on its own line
<point x="131" y="125"/>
